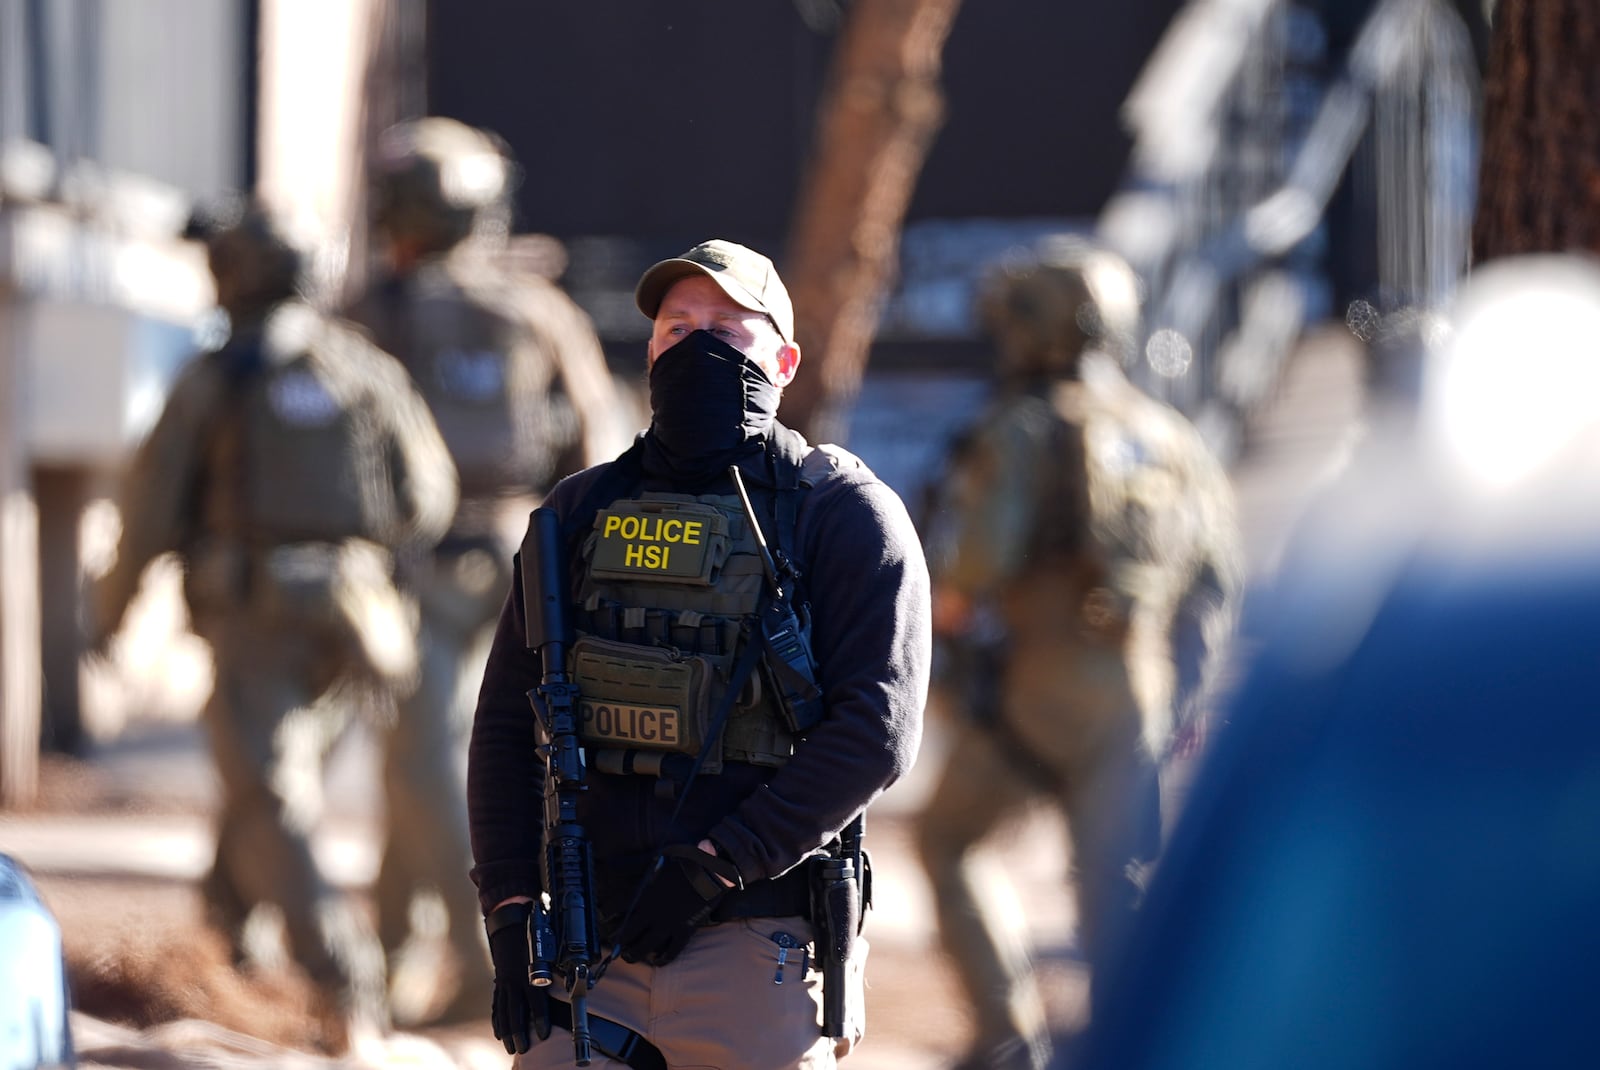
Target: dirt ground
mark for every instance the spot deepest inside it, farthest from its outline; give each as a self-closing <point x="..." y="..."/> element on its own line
<point x="138" y="951"/>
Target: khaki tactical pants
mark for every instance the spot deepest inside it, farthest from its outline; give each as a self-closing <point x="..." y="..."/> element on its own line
<point x="424" y="755"/>
<point x="270" y="723"/>
<point x="718" y="1006"/>
<point x="1075" y="741"/>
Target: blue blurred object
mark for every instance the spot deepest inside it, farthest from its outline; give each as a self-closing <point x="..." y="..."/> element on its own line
<point x="35" y="1027"/>
<point x="1390" y="858"/>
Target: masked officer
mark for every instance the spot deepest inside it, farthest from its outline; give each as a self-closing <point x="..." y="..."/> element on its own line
<point x="725" y="773"/>
<point x="514" y="374"/>
<point x="1084" y="559"/>
<point x="289" y="470"/>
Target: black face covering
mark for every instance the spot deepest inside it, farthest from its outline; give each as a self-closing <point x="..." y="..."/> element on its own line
<point x="710" y="404"/>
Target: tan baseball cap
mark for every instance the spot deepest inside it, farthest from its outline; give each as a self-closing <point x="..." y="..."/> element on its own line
<point x="744" y="275"/>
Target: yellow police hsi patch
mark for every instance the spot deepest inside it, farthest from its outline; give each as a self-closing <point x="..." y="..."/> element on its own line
<point x="646" y="539"/>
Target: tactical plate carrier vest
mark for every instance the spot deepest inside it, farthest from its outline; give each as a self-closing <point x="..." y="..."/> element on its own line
<point x="671" y="588"/>
<point x="486" y="379"/>
<point x="302" y="455"/>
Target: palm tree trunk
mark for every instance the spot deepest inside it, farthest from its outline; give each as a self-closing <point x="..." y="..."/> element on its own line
<point x="878" y="116"/>
<point x="1539" y="179"/>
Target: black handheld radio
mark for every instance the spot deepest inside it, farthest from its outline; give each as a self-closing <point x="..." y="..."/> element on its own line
<point x="784" y="633"/>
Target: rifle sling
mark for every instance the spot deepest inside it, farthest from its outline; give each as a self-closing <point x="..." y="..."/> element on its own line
<point x="612" y="1039"/>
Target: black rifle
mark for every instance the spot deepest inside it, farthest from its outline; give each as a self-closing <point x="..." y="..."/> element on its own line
<point x="562" y="937"/>
<point x="783" y="632"/>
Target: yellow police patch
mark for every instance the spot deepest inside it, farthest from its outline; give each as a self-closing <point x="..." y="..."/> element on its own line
<point x="667" y="539"/>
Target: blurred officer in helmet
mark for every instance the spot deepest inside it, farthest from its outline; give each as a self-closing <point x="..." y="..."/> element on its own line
<point x="514" y="374"/>
<point x="1084" y="558"/>
<point x="289" y="470"/>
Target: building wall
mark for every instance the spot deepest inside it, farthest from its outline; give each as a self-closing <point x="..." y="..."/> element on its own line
<point x="174" y="100"/>
<point x="155" y="88"/>
<point x="646" y="125"/>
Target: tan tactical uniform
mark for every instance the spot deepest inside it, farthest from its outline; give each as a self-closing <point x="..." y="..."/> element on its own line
<point x="288" y="471"/>
<point x="1096" y="530"/>
<point x="515" y="377"/>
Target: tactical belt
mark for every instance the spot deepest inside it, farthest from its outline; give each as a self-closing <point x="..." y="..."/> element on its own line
<point x="612" y="1039"/>
<point x="781" y="897"/>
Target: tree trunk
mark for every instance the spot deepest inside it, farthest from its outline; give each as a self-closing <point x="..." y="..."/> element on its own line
<point x="1539" y="180"/>
<point x="877" y="118"/>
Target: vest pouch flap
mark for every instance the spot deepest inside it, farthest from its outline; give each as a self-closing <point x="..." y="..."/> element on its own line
<point x="652" y="539"/>
<point x="341" y="599"/>
<point x="633" y="696"/>
<point x="297" y="579"/>
<point x="311" y="465"/>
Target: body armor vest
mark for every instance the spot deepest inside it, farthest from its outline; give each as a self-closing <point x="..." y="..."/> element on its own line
<point x="300" y="456"/>
<point x="476" y="362"/>
<point x="672" y="585"/>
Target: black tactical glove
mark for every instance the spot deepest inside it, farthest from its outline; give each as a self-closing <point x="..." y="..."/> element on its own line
<point x="521" y="1010"/>
<point x="687" y="885"/>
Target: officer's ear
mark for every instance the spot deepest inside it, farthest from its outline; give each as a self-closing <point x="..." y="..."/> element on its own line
<point x="788" y="362"/>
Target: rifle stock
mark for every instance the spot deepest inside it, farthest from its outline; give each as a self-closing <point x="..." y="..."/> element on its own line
<point x="563" y="937"/>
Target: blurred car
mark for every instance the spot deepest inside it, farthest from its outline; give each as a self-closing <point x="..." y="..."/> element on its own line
<point x="35" y="1006"/>
<point x="1391" y="855"/>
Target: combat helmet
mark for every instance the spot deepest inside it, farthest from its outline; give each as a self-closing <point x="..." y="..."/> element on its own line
<point x="1044" y="310"/>
<point x="435" y="182"/>
<point x="254" y="262"/>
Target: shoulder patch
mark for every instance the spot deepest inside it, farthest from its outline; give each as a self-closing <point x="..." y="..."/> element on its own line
<point x="299" y="399"/>
<point x="826" y="460"/>
<point x="476" y="375"/>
